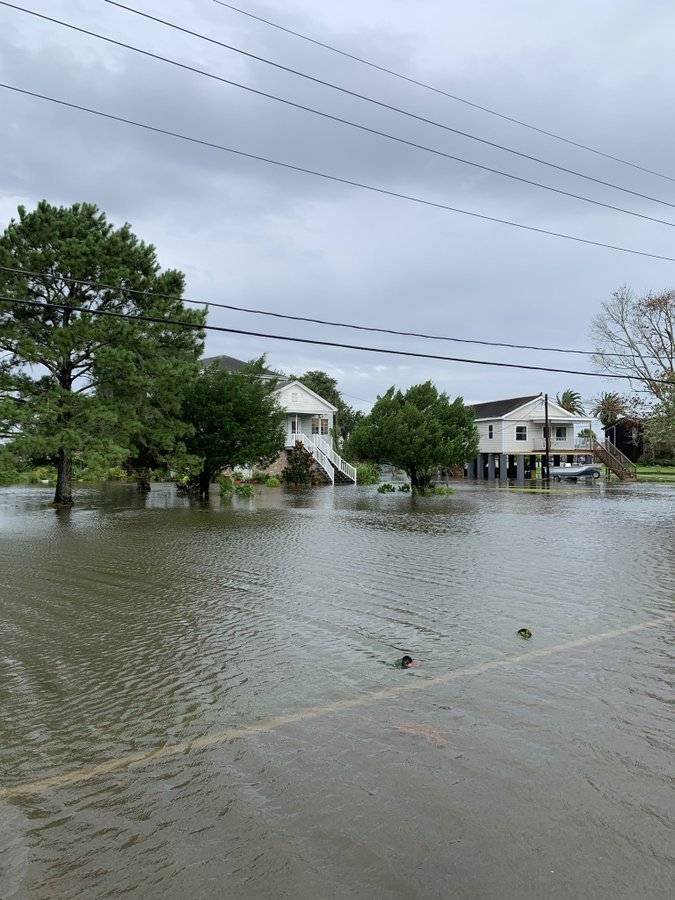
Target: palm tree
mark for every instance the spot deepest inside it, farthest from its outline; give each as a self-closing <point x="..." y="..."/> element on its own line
<point x="608" y="407"/>
<point x="571" y="401"/>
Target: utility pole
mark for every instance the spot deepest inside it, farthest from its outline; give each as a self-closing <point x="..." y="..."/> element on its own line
<point x="547" y="438"/>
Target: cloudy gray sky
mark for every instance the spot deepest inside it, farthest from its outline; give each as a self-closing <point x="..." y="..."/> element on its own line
<point x="256" y="235"/>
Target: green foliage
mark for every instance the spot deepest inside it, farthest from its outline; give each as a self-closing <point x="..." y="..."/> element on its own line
<point x="441" y="490"/>
<point x="40" y="475"/>
<point x="298" y="470"/>
<point x="571" y="401"/>
<point x="245" y="491"/>
<point x="273" y="481"/>
<point x="588" y="434"/>
<point x="659" y="429"/>
<point x="417" y="431"/>
<point x="609" y="407"/>
<point x="235" y="420"/>
<point x="10" y="466"/>
<point x="226" y="485"/>
<point x="367" y="473"/>
<point x="74" y="383"/>
<point x="386" y="488"/>
<point x="404" y="488"/>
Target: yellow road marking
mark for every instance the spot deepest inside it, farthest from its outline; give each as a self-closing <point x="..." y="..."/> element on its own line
<point x="85" y="773"/>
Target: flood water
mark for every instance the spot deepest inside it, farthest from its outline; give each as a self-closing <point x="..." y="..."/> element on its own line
<point x="199" y="701"/>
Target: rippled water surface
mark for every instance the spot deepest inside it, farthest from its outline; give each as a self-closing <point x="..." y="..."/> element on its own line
<point x="200" y="701"/>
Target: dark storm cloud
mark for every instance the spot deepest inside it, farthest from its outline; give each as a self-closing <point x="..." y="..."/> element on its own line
<point x="262" y="236"/>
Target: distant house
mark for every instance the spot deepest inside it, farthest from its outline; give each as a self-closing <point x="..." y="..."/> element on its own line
<point x="513" y="442"/>
<point x="310" y="421"/>
<point x="628" y="435"/>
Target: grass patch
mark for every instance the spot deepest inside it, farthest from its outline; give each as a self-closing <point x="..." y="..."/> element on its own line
<point x="658" y="474"/>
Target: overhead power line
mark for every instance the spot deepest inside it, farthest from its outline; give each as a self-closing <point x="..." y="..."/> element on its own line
<point x="380" y="103"/>
<point x="278" y="315"/>
<point x="160" y="320"/>
<point x="329" y="177"/>
<point x="444" y="93"/>
<point x="338" y="119"/>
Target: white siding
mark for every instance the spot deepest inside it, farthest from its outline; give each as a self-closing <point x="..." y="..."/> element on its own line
<point x="296" y="398"/>
<point x="504" y="430"/>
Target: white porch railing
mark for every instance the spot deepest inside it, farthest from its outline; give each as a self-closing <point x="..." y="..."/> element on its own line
<point x="324" y="454"/>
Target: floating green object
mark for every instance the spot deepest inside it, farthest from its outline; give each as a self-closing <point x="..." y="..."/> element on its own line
<point x="524" y="633"/>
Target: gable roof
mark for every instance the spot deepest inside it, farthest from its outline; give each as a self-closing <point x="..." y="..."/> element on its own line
<point x="231" y="364"/>
<point x="495" y="409"/>
<point x="307" y="390"/>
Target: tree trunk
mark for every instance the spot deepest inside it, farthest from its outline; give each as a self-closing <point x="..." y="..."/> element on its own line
<point x="419" y="481"/>
<point x="204" y="485"/>
<point x="63" y="495"/>
<point x="143" y="482"/>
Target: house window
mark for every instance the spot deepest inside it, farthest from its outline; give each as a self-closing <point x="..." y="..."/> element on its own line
<point x="294" y="426"/>
<point x="491" y="431"/>
<point x="319" y="425"/>
<point x="561" y="433"/>
<point x="521" y="432"/>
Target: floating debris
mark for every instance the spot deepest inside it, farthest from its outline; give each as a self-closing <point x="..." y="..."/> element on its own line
<point x="524" y="633"/>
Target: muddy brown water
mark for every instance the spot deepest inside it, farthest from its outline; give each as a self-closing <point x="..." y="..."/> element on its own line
<point x="198" y="701"/>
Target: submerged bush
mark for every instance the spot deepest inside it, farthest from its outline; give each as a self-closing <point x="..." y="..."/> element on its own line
<point x="244" y="490"/>
<point x="273" y="481"/>
<point x="386" y="489"/>
<point x="226" y="485"/>
<point x="367" y="473"/>
<point x="404" y="488"/>
<point x="41" y="474"/>
<point x="442" y="491"/>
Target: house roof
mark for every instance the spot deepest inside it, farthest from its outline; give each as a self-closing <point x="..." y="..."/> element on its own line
<point x="231" y="364"/>
<point x="495" y="409"/>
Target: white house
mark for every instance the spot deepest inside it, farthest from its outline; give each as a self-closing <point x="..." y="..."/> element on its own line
<point x="310" y="420"/>
<point x="513" y="441"/>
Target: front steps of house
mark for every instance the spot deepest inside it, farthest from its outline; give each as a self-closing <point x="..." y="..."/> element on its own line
<point x="615" y="460"/>
<point x="336" y="469"/>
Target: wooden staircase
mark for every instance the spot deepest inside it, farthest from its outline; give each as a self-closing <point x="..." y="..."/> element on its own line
<point x="616" y="461"/>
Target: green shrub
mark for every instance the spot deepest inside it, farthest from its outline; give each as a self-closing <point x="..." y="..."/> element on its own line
<point x="367" y="473"/>
<point x="226" y="485"/>
<point x="299" y="468"/>
<point x="41" y="474"/>
<point x="273" y="481"/>
<point x="442" y="491"/>
<point x="10" y="472"/>
<point x="404" y="488"/>
<point x="386" y="489"/>
<point x="102" y="473"/>
<point x="244" y="490"/>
